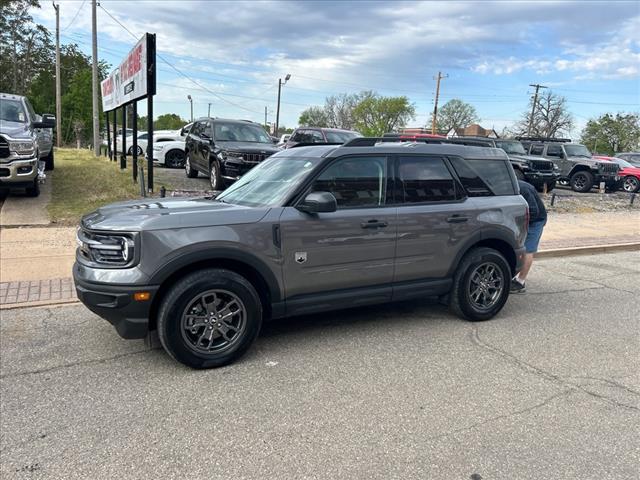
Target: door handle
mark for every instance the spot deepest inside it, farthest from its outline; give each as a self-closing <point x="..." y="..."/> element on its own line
<point x="457" y="219"/>
<point x="374" y="224"/>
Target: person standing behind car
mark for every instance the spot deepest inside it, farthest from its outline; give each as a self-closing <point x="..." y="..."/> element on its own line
<point x="537" y="221"/>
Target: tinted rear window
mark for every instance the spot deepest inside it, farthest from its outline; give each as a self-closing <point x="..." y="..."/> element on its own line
<point x="483" y="177"/>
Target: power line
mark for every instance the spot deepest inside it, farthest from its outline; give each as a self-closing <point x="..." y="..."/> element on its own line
<point x="75" y="16"/>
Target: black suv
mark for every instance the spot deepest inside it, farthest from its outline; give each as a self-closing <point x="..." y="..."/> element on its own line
<point x="224" y="150"/>
<point x="533" y="170"/>
<point x="577" y="167"/>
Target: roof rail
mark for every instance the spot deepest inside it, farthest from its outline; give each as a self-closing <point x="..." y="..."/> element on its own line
<point x="372" y="141"/>
<point x="314" y="144"/>
<point x="543" y="139"/>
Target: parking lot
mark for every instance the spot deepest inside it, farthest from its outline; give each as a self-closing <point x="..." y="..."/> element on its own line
<point x="549" y="389"/>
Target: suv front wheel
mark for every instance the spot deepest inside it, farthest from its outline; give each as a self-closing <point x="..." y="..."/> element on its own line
<point x="190" y="172"/>
<point x="215" y="178"/>
<point x="581" y="181"/>
<point x="209" y="318"/>
<point x="481" y="285"/>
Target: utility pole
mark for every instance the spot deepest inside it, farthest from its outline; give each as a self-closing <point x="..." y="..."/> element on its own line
<point x="94" y="55"/>
<point x="533" y="108"/>
<point x="280" y="84"/>
<point x="435" y="108"/>
<point x="209" y="110"/>
<point x="265" y="116"/>
<point x="58" y="88"/>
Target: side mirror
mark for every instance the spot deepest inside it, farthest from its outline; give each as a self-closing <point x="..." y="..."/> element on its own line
<point x="318" y="202"/>
<point x="48" y="121"/>
<point x="561" y="155"/>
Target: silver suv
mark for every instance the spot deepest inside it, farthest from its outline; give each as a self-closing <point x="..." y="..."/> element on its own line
<point x="25" y="140"/>
<point x="310" y="229"/>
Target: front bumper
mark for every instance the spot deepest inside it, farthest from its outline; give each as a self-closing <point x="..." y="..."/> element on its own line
<point x="19" y="173"/>
<point x="611" y="182"/>
<point x="115" y="303"/>
<point x="540" y="178"/>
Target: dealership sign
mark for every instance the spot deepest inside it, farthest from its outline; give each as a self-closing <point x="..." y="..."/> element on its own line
<point x="130" y="81"/>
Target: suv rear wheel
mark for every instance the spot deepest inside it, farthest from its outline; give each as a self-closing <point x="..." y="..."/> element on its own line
<point x="581" y="181"/>
<point x="190" y="172"/>
<point x="481" y="285"/>
<point x="209" y="318"/>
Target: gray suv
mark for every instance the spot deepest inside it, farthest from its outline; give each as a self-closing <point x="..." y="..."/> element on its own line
<point x="310" y="229"/>
<point x="25" y="140"/>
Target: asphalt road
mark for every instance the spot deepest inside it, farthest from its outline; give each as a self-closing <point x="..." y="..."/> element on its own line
<point x="548" y="390"/>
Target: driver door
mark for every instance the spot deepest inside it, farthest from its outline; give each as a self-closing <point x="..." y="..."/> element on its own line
<point x="342" y="258"/>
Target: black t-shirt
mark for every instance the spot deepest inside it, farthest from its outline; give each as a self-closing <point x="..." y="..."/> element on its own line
<point x="537" y="211"/>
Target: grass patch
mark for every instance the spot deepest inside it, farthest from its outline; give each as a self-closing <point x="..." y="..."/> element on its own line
<point x="83" y="182"/>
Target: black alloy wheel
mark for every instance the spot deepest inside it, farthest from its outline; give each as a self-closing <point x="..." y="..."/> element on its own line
<point x="215" y="177"/>
<point x="582" y="181"/>
<point x="190" y="172"/>
<point x="174" y="159"/>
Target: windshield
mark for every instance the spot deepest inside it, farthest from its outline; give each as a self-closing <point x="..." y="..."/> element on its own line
<point x="577" y="151"/>
<point x="12" y="111"/>
<point x="340" y="137"/>
<point x="239" y="132"/>
<point x="512" y="147"/>
<point x="269" y="183"/>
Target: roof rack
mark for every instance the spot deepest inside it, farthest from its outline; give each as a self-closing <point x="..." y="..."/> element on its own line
<point x="314" y="144"/>
<point x="543" y="139"/>
<point x="372" y="141"/>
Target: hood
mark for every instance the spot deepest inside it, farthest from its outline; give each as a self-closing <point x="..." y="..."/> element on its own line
<point x="166" y="213"/>
<point x="526" y="158"/>
<point x="635" y="171"/>
<point x="14" y="129"/>
<point x="251" y="147"/>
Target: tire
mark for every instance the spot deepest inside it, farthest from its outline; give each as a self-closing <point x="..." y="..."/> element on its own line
<point x="519" y="174"/>
<point x="33" y="191"/>
<point x="461" y="301"/>
<point x="190" y="172"/>
<point x="174" y="159"/>
<point x="49" y="161"/>
<point x="187" y="298"/>
<point x="581" y="181"/>
<point x="215" y="177"/>
<point x="631" y="184"/>
<point x="139" y="148"/>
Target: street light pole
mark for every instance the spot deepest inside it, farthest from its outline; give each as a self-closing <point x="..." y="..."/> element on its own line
<point x="191" y="102"/>
<point x="280" y="85"/>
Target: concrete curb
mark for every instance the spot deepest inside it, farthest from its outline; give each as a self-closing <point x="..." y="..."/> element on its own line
<point x="553" y="253"/>
<point x="590" y="250"/>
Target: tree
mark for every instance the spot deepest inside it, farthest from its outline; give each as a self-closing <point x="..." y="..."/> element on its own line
<point x="609" y="134"/>
<point x="339" y="109"/>
<point x="25" y="48"/>
<point x="375" y="115"/>
<point x="169" y="121"/>
<point x="456" y="114"/>
<point x="313" y="117"/>
<point x="551" y="118"/>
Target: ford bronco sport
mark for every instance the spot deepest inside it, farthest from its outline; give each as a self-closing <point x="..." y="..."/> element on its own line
<point x="311" y="229"/>
<point x="25" y="140"/>
<point x="576" y="165"/>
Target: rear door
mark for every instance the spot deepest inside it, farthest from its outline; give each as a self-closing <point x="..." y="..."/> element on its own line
<point x="345" y="250"/>
<point x="434" y="218"/>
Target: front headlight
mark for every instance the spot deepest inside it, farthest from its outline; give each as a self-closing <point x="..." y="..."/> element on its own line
<point x="23" y="147"/>
<point x="116" y="250"/>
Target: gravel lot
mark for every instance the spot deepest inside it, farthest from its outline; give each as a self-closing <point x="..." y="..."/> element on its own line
<point x="549" y="389"/>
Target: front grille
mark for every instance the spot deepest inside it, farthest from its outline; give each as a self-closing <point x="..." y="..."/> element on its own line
<point x="608" y="168"/>
<point x="541" y="165"/>
<point x="4" y="147"/>
<point x="254" y="157"/>
<point x="5" y="172"/>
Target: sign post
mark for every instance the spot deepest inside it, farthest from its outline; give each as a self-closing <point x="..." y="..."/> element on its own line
<point x="133" y="80"/>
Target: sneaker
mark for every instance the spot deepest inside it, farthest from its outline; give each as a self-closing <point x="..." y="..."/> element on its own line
<point x="517" y="286"/>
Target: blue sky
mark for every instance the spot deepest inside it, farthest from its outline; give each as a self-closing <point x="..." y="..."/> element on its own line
<point x="589" y="52"/>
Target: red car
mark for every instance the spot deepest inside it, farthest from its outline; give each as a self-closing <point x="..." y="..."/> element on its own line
<point x="629" y="174"/>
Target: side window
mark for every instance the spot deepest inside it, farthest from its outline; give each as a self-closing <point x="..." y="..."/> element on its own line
<point x="207" y="129"/>
<point x="536" y="149"/>
<point x="32" y="113"/>
<point x="425" y="179"/>
<point x="482" y="177"/>
<point x="196" y="129"/>
<point x="144" y="136"/>
<point x="554" y="151"/>
<point x="296" y="136"/>
<point x="355" y="181"/>
<point x="317" y="137"/>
